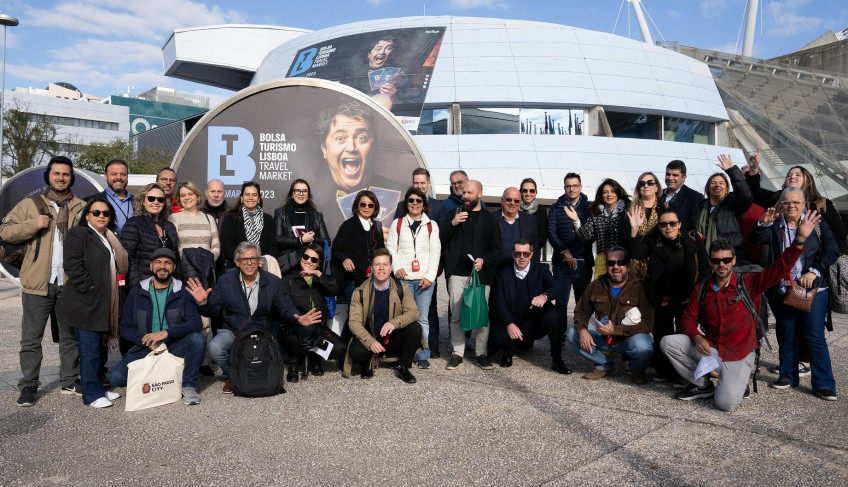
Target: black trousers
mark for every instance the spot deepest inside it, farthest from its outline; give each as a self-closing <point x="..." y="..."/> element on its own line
<point x="290" y="340"/>
<point x="402" y="344"/>
<point x="433" y="318"/>
<point x="535" y="326"/>
<point x="665" y="323"/>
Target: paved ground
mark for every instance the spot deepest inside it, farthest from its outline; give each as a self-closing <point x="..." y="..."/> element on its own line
<point x="520" y="426"/>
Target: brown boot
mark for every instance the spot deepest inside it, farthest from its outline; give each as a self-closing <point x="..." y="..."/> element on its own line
<point x="596" y="374"/>
<point x="228" y="388"/>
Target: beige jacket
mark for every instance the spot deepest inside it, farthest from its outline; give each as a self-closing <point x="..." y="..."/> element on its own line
<point x="20" y="225"/>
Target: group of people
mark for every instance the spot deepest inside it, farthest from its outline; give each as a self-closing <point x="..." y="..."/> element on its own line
<point x="665" y="284"/>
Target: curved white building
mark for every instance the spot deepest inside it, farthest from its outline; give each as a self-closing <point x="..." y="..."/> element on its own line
<point x="496" y="82"/>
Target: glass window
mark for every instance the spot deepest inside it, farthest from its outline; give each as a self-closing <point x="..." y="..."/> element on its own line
<point x="490" y="120"/>
<point x="434" y="121"/>
<point x="686" y="130"/>
<point x="552" y="121"/>
<point x="634" y="125"/>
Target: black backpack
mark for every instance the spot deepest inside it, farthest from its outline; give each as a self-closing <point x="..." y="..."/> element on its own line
<point x="256" y="364"/>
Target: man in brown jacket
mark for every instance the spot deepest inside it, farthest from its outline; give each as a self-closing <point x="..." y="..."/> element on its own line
<point x="624" y="317"/>
<point x="42" y="226"/>
<point x="383" y="318"/>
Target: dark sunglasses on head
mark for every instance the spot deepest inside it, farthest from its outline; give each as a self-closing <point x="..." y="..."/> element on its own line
<point x="512" y="200"/>
<point x="414" y="201"/>
<point x="366" y="205"/>
<point x="152" y="199"/>
<point x="310" y="258"/>
<point x="105" y="213"/>
<point x="650" y="182"/>
<point x="671" y="224"/>
<point x="716" y="261"/>
<point x="620" y="263"/>
<point x="528" y="190"/>
<point x="522" y="254"/>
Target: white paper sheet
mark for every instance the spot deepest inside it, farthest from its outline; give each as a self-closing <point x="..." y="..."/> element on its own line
<point x="323" y="353"/>
<point x="707" y="364"/>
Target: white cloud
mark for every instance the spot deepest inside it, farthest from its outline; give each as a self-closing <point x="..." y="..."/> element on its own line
<point x="84" y="75"/>
<point x="110" y="54"/>
<point x="469" y="4"/>
<point x="730" y="48"/>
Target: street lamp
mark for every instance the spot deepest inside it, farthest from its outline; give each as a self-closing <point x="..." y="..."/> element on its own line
<point x="5" y="21"/>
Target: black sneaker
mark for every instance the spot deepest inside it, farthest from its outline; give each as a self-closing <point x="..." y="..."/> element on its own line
<point x="74" y="387"/>
<point x="484" y="362"/>
<point x="559" y="367"/>
<point x="316" y="366"/>
<point x="695" y="392"/>
<point x="293" y="372"/>
<point x="747" y="393"/>
<point x="781" y="384"/>
<point x="207" y="371"/>
<point x="825" y="394"/>
<point x="28" y="396"/>
<point x="803" y="370"/>
<point x="454" y="362"/>
<point x="404" y="374"/>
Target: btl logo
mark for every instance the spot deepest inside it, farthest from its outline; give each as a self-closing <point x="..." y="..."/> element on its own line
<point x="303" y="62"/>
<point x="229" y="155"/>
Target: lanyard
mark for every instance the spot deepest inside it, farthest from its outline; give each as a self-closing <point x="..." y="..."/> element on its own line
<point x="121" y="204"/>
<point x="415" y="235"/>
<point x="160" y="312"/>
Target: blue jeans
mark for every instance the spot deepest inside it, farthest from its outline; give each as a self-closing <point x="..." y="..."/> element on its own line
<point x="219" y="349"/>
<point x="793" y="325"/>
<point x="89" y="357"/>
<point x="567" y="278"/>
<point x="422" y="302"/>
<point x="190" y="348"/>
<point x="638" y="347"/>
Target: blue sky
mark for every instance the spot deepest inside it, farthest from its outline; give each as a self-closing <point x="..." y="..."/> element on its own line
<point x="105" y="46"/>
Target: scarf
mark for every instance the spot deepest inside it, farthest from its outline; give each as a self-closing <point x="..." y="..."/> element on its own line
<point x="530" y="208"/>
<point x="119" y="266"/>
<point x="253" y="224"/>
<point x="639" y="267"/>
<point x="61" y="201"/>
<point x="619" y="207"/>
<point x="704" y="227"/>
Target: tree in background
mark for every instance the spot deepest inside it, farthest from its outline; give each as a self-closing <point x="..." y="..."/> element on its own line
<point x="29" y="139"/>
<point x="94" y="157"/>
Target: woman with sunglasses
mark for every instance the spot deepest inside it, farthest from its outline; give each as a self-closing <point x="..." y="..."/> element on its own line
<point x="676" y="261"/>
<point x="415" y="248"/>
<point x="298" y="223"/>
<point x="603" y="224"/>
<point x="530" y="205"/>
<point x="307" y="287"/>
<point x="246" y="222"/>
<point x="719" y="215"/>
<point x="94" y="263"/>
<point x="645" y="202"/>
<point x="147" y="230"/>
<point x="357" y="239"/>
<point x="777" y="229"/>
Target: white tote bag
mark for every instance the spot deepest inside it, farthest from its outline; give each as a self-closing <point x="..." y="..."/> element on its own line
<point x="154" y="380"/>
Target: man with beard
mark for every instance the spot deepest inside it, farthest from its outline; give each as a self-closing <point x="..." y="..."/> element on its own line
<point x="117" y="173"/>
<point x="159" y="310"/>
<point x="471" y="240"/>
<point x="41" y="223"/>
<point x="167" y="178"/>
<point x="624" y="317"/>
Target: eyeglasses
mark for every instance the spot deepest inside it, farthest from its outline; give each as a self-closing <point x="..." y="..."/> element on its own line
<point x="649" y="182"/>
<point x="414" y="201"/>
<point x="366" y="205"/>
<point x="97" y="213"/>
<point x="458" y="183"/>
<point x="717" y="261"/>
<point x="521" y="254"/>
<point x="300" y="191"/>
<point x="155" y="199"/>
<point x="620" y="263"/>
<point x="671" y="224"/>
<point x="167" y="180"/>
<point x="310" y="258"/>
<point x="528" y="190"/>
<point x="248" y="260"/>
<point x="792" y="203"/>
<point x="512" y="200"/>
<point x="573" y="186"/>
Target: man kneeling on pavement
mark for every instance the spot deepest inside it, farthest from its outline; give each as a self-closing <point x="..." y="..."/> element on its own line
<point x="623" y="320"/>
<point x="521" y="309"/>
<point x="729" y="329"/>
<point x="383" y="318"/>
<point x="159" y="310"/>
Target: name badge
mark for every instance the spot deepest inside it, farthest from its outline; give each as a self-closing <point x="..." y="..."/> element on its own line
<point x="122" y="280"/>
<point x="416" y="266"/>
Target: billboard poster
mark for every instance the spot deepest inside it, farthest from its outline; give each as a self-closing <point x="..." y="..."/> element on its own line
<point x="392" y="66"/>
<point x="334" y="137"/>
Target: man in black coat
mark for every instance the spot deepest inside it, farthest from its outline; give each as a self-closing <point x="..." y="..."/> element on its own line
<point x="514" y="225"/>
<point x="522" y="311"/>
<point x="679" y="196"/>
<point x="473" y="232"/>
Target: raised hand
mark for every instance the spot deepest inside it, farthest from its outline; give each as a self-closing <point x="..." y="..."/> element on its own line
<point x="195" y="288"/>
<point x="570" y="212"/>
<point x="634" y="214"/>
<point x="808" y="224"/>
<point x="724" y="162"/>
<point x="754" y="163"/>
<point x="770" y="215"/>
<point x="312" y="317"/>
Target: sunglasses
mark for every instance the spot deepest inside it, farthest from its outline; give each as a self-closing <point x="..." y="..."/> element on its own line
<point x="414" y="201"/>
<point x="528" y="190"/>
<point x="521" y="254"/>
<point x="716" y="261"/>
<point x="366" y="205"/>
<point x="154" y="199"/>
<point x="512" y="200"/>
<point x="650" y="182"/>
<point x="671" y="224"/>
<point x="620" y="263"/>
<point x="97" y="213"/>
<point x="310" y="258"/>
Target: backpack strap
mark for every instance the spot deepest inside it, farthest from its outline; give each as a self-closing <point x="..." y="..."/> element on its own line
<point x="745" y="297"/>
<point x="398" y="231"/>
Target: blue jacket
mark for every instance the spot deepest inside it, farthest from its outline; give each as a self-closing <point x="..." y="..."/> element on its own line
<point x="561" y="231"/>
<point x="229" y="296"/>
<point x="137" y="318"/>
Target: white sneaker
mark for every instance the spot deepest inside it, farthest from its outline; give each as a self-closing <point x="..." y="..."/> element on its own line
<point x="101" y="403"/>
<point x="112" y="395"/>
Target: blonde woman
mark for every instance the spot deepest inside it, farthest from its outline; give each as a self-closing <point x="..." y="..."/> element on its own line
<point x="645" y="205"/>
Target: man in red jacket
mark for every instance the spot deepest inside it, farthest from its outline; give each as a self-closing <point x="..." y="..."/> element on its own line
<point x="729" y="329"/>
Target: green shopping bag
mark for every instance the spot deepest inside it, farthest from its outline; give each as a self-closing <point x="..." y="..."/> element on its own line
<point x="475" y="309"/>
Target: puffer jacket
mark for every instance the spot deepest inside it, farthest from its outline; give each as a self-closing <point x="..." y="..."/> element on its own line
<point x="427" y="248"/>
<point x="727" y="214"/>
<point x="20" y="225"/>
<point x="561" y="231"/>
<point x="140" y="238"/>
